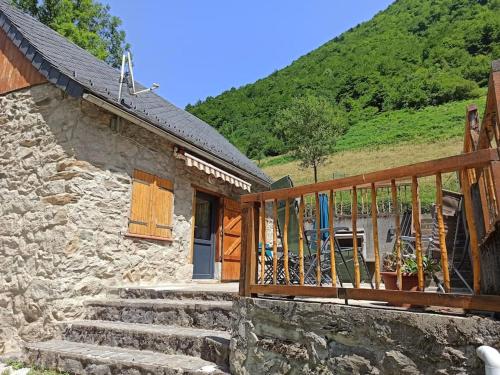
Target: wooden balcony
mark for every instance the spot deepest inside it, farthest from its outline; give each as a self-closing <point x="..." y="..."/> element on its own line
<point x="284" y="271"/>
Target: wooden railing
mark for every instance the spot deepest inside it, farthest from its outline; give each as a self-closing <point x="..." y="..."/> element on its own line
<point x="255" y="265"/>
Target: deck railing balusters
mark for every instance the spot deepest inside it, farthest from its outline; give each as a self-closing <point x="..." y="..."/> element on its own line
<point x="418" y="232"/>
<point x="263" y="241"/>
<point x="375" y="235"/>
<point x="285" y="241"/>
<point x="471" y="224"/>
<point x="301" y="240"/>
<point x="275" y="241"/>
<point x="354" y="216"/>
<point x="486" y="163"/>
<point x="331" y="212"/>
<point x="318" y="241"/>
<point x="399" y="263"/>
<point x="442" y="233"/>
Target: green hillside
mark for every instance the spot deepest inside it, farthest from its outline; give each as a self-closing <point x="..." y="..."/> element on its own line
<point x="414" y="54"/>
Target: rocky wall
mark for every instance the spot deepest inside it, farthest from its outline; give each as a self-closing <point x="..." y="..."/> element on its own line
<point x="292" y="337"/>
<point x="65" y="191"/>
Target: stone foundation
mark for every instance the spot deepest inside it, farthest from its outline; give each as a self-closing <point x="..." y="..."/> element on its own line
<point x="65" y="192"/>
<point x="288" y="337"/>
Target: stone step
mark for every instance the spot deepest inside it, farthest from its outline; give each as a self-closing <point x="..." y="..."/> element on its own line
<point x="209" y="345"/>
<point x="83" y="359"/>
<point x="184" y="313"/>
<point x="173" y="293"/>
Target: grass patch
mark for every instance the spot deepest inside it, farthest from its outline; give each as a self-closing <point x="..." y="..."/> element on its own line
<point x="429" y="124"/>
<point x="355" y="162"/>
<point x="17" y="365"/>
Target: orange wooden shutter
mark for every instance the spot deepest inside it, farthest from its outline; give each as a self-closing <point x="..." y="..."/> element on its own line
<point x="152" y="206"/>
<point x="162" y="208"/>
<point x="140" y="212"/>
<point x="231" y="242"/>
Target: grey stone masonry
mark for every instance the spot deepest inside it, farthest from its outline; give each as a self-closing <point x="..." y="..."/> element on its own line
<point x="141" y="336"/>
<point x="154" y="293"/>
<point x="66" y="171"/>
<point x="78" y="358"/>
<point x="207" y="344"/>
<point x="294" y="337"/>
<point x="183" y="313"/>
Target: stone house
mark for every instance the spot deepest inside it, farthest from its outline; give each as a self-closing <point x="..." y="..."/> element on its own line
<point x="97" y="191"/>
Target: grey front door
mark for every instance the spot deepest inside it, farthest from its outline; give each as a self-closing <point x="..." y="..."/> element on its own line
<point x="204" y="237"/>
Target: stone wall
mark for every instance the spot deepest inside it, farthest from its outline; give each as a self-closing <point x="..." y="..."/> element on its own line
<point x="65" y="188"/>
<point x="288" y="337"/>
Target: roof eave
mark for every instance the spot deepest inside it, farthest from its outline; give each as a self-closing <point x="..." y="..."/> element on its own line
<point x="113" y="108"/>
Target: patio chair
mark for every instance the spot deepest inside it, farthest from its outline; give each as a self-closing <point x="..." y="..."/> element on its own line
<point x="343" y="259"/>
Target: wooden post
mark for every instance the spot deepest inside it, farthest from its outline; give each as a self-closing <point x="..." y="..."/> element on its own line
<point x="301" y="240"/>
<point x="318" y="241"/>
<point x="249" y="247"/>
<point x="495" y="183"/>
<point x="331" y="213"/>
<point x="418" y="233"/>
<point x="263" y="241"/>
<point x="471" y="225"/>
<point x="375" y="236"/>
<point x="354" y="216"/>
<point x="275" y="241"/>
<point x="442" y="233"/>
<point x="285" y="241"/>
<point x="399" y="263"/>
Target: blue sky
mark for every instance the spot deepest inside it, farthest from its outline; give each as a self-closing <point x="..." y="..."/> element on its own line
<point x="200" y="48"/>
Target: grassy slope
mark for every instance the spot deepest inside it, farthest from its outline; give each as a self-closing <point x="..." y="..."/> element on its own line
<point x="389" y="140"/>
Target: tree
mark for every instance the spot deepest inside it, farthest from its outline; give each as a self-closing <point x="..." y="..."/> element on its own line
<point x="86" y="23"/>
<point x="310" y="127"/>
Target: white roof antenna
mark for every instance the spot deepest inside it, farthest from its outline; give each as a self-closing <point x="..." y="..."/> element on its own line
<point x="127" y="75"/>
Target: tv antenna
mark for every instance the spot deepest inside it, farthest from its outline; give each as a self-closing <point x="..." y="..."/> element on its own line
<point x="128" y="77"/>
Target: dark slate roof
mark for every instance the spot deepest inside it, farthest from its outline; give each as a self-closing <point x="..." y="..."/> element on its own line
<point x="77" y="71"/>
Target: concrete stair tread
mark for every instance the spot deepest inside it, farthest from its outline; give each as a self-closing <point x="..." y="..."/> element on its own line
<point x="150" y="361"/>
<point x="158" y="329"/>
<point x="159" y="303"/>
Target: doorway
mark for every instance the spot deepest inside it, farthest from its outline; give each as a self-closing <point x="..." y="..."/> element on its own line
<point x="204" y="236"/>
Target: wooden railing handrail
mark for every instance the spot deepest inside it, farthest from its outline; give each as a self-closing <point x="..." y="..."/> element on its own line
<point x="427" y="168"/>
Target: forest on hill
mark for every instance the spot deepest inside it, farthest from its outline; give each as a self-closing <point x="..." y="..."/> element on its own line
<point x="414" y="54"/>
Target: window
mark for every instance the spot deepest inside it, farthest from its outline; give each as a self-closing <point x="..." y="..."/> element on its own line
<point x="152" y="206"/>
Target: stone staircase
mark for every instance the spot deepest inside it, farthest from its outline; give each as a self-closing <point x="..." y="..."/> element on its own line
<point x="143" y="331"/>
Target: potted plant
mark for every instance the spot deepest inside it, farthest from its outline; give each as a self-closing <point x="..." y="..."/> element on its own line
<point x="409" y="271"/>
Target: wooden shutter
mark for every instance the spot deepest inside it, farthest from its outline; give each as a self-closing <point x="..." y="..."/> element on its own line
<point x="162" y="208"/>
<point x="231" y="242"/>
<point x="152" y="206"/>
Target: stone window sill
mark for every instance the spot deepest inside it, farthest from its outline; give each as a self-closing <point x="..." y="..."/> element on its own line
<point x="147" y="237"/>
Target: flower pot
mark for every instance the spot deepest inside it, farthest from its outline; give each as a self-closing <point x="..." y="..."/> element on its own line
<point x="410" y="283"/>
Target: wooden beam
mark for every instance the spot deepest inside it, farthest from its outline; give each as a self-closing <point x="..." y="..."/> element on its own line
<point x="427" y="168"/>
<point x="296" y="290"/>
<point x="397" y="297"/>
<point x="249" y="247"/>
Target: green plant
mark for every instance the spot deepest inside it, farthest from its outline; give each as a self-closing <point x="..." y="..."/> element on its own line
<point x="409" y="264"/>
<point x="16" y="365"/>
